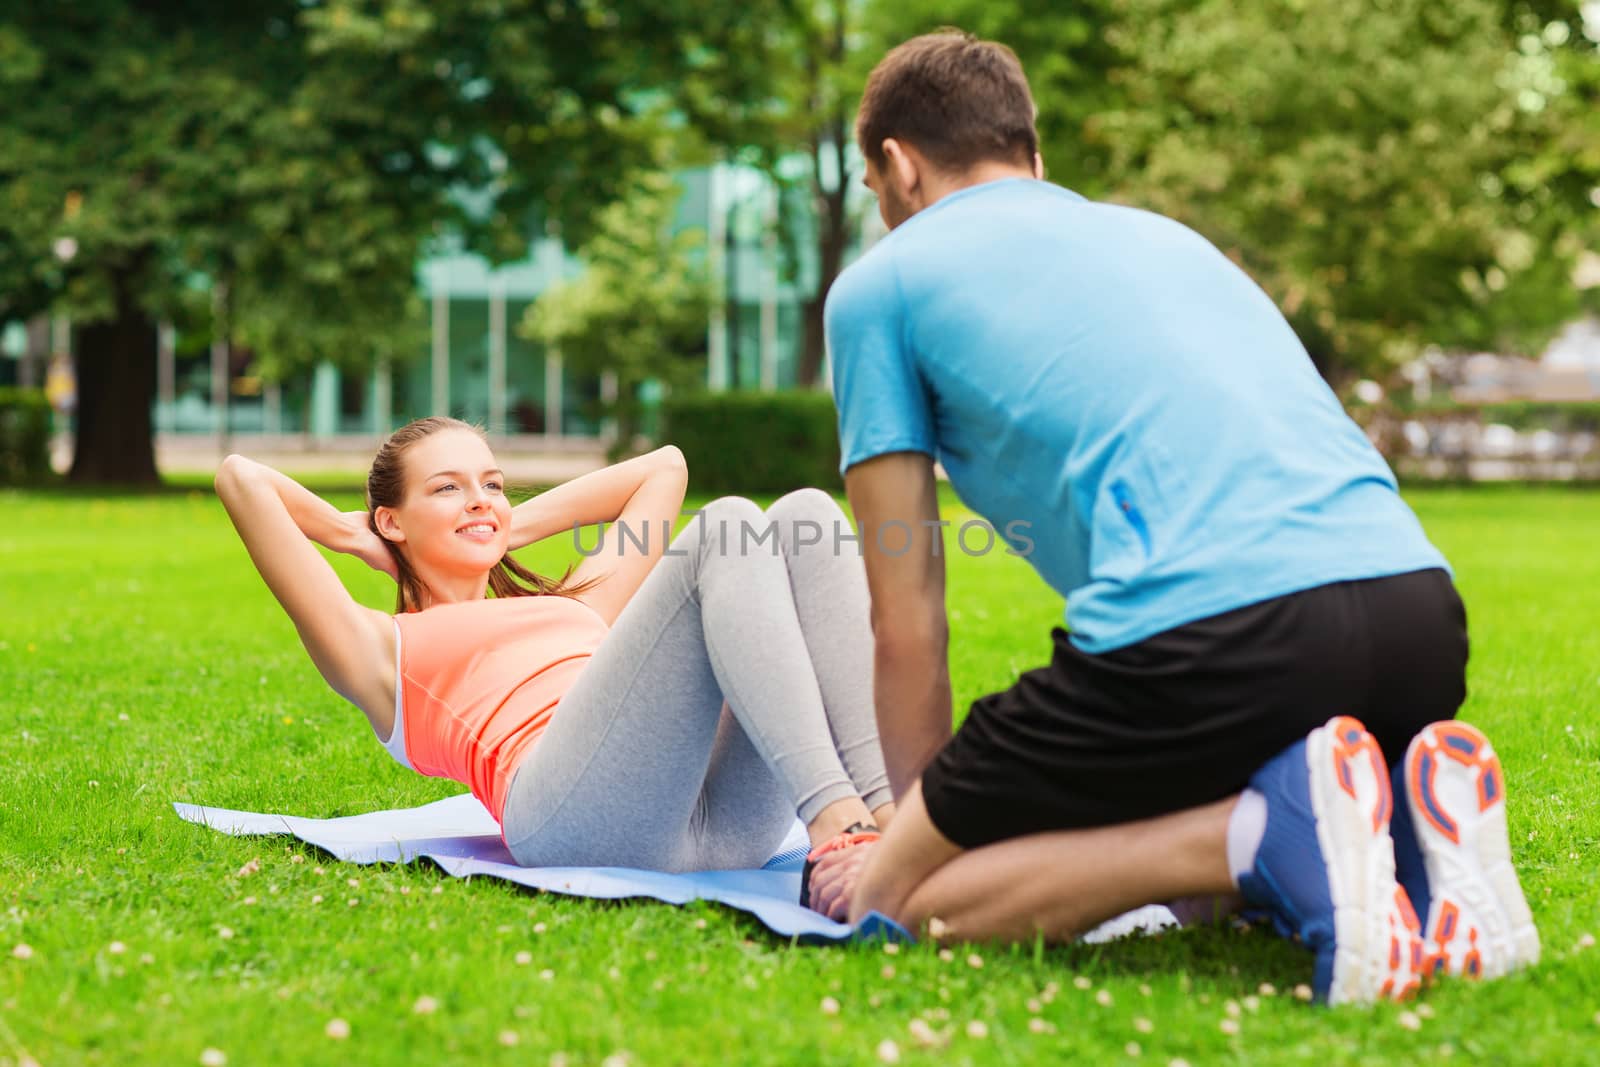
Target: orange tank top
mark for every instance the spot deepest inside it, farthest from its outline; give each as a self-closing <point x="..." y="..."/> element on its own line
<point x="479" y="681"/>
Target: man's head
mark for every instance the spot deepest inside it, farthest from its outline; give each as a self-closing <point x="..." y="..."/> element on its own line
<point x="940" y="112"/>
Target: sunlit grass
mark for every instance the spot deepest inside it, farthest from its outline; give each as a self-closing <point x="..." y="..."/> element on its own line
<point x="142" y="662"/>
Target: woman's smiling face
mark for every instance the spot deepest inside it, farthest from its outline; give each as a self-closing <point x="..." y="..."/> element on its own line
<point x="455" y="518"/>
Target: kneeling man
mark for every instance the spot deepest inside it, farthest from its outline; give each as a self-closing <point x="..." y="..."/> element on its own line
<point x="1263" y="654"/>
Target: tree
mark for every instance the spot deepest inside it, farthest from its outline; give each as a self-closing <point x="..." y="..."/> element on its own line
<point x="780" y="96"/>
<point x="1383" y="169"/>
<point x="796" y="104"/>
<point x="1555" y="187"/>
<point x="639" y="308"/>
<point x="1393" y="173"/>
<point x="305" y="154"/>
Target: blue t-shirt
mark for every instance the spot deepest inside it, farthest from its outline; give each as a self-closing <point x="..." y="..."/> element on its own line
<point x="1105" y="385"/>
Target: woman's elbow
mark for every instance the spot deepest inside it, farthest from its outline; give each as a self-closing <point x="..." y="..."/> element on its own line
<point x="670" y="469"/>
<point x="232" y="473"/>
<point x="227" y="472"/>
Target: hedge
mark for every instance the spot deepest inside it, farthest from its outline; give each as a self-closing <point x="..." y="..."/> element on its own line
<point x="754" y="442"/>
<point x="24" y="435"/>
<point x="1569" y="416"/>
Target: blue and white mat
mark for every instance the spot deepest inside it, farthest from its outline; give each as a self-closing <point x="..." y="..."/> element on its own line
<point x="459" y="835"/>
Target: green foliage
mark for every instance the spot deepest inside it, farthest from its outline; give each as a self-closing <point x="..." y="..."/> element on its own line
<point x="24" y="435"/>
<point x="305" y="154"/>
<point x="1393" y="173"/>
<point x="1382" y="168"/>
<point x="1567" y="417"/>
<point x="638" y="310"/>
<point x="1518" y="414"/>
<point x="754" y="442"/>
<point x="308" y="154"/>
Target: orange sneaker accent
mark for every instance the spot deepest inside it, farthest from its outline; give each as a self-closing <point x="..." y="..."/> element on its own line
<point x="1438" y="961"/>
<point x="1351" y="741"/>
<point x="844" y="840"/>
<point x="1472" y="962"/>
<point x="1420" y="772"/>
<point x="1405" y="957"/>
<point x="1408" y="913"/>
<point x="1465" y="745"/>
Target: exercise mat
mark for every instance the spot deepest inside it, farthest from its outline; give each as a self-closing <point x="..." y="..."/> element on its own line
<point x="461" y="837"/>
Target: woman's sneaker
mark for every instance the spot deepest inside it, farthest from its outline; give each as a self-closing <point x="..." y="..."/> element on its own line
<point x="1454" y="857"/>
<point x="1325" y="868"/>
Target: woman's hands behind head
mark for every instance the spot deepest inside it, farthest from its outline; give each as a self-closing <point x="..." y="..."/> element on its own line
<point x="367" y="546"/>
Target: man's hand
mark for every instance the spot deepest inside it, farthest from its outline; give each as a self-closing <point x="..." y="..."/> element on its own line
<point x="367" y="546"/>
<point x="833" y="880"/>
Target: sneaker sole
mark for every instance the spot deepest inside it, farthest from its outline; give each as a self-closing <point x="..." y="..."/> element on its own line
<point x="1478" y="924"/>
<point x="1377" y="939"/>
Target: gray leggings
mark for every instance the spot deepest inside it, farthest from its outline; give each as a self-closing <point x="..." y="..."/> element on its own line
<point x="643" y="765"/>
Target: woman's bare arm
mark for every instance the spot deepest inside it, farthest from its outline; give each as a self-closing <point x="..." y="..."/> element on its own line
<point x="641" y="496"/>
<point x="599" y="496"/>
<point x="277" y="519"/>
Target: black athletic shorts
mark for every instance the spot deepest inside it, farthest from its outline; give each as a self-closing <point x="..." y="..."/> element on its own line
<point x="1185" y="717"/>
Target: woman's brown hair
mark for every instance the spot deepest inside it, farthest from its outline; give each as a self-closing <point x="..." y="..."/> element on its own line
<point x="386" y="488"/>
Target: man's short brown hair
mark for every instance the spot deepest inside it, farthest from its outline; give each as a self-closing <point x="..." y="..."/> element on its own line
<point x="960" y="101"/>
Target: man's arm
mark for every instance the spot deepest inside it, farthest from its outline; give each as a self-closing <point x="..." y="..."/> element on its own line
<point x="896" y="505"/>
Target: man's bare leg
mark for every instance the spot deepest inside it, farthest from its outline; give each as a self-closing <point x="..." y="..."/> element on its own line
<point x="1060" y="884"/>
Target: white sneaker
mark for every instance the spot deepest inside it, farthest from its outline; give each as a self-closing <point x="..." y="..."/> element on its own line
<point x="1325" y="868"/>
<point x="1454" y="858"/>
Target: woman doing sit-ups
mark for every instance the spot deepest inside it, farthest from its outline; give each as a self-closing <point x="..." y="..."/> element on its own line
<point x="665" y="708"/>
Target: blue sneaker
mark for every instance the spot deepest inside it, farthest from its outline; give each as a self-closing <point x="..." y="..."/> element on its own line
<point x="1453" y="856"/>
<point x="1325" y="867"/>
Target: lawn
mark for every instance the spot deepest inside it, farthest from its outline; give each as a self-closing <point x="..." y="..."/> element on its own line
<point x="142" y="661"/>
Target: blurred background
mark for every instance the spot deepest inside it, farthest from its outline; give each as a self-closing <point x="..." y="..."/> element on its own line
<point x="285" y="227"/>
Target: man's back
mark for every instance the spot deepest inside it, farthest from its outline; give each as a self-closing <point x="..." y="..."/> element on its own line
<point x="1107" y="377"/>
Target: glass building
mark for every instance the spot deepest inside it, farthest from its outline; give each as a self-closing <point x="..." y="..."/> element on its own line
<point x="475" y="364"/>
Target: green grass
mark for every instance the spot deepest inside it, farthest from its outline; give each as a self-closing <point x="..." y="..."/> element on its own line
<point x="142" y="662"/>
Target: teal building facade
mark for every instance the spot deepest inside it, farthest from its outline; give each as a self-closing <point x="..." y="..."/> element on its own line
<point x="475" y="364"/>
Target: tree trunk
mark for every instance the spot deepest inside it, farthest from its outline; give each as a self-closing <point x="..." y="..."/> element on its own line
<point x="834" y="227"/>
<point x="833" y="220"/>
<point x="116" y="366"/>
